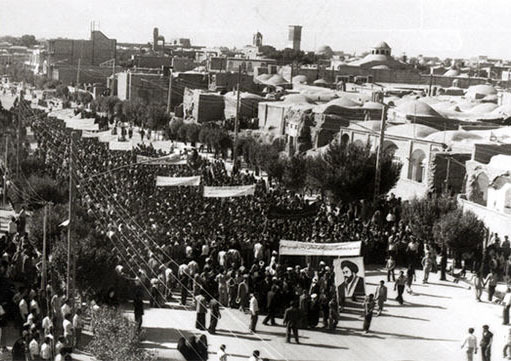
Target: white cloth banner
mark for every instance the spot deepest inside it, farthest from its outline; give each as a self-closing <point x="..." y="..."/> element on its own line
<point x="87" y="134"/>
<point x="170" y="159"/>
<point x="113" y="145"/>
<point x="295" y="248"/>
<point x="177" y="181"/>
<point x="225" y="192"/>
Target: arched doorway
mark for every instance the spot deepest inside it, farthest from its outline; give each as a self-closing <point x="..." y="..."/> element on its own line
<point x="417" y="167"/>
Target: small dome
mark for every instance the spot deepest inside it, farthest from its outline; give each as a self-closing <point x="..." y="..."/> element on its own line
<point x="482" y="89"/>
<point x="344" y="102"/>
<point x="411" y="130"/>
<point x="320" y="82"/>
<point x="381" y="45"/>
<point x="297" y="99"/>
<point x="325" y="50"/>
<point x="451" y="72"/>
<point x="381" y="67"/>
<point x="299" y="79"/>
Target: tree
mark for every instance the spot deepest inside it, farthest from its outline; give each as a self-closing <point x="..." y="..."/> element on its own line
<point x="460" y="231"/>
<point x="28" y="41"/>
<point x="422" y="214"/>
<point x="135" y="111"/>
<point x="348" y="173"/>
<point x="62" y="91"/>
<point x="293" y="176"/>
<point x="192" y="133"/>
<point x="174" y="126"/>
<point x="157" y="118"/>
<point x="116" y="338"/>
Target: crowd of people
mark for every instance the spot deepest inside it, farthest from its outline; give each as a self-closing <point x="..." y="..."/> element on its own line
<point x="207" y="252"/>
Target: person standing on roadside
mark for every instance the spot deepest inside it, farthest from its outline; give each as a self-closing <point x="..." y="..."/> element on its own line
<point x="470" y="344"/>
<point x="507" y="345"/>
<point x="368" y="312"/>
<point x="410" y="278"/>
<point x="491" y="281"/>
<point x="254" y="312"/>
<point x="399" y="285"/>
<point x="485" y="344"/>
<point x="291" y="321"/>
<point x="380" y="295"/>
<point x="506" y="301"/>
<point x="390" y="266"/>
<point x="478" y="286"/>
<point x="214" y="307"/>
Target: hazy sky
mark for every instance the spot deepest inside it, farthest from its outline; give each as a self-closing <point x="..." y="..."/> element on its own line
<point x="454" y="28"/>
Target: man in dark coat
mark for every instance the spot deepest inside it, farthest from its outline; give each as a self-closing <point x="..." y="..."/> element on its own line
<point x="215" y="315"/>
<point x="271" y="305"/>
<point x="291" y="320"/>
<point x="138" y="306"/>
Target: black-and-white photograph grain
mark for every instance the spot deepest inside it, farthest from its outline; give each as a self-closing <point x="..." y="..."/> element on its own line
<point x="254" y="180"/>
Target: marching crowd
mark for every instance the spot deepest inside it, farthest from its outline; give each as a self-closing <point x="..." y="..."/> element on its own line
<point x="212" y="252"/>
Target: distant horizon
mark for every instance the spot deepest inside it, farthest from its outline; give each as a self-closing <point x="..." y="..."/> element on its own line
<point x="436" y="28"/>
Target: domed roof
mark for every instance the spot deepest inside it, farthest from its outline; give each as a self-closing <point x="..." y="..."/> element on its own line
<point x="381" y="45"/>
<point x="374" y="125"/>
<point x="297" y="99"/>
<point x="324" y="50"/>
<point x="382" y="67"/>
<point x="417" y="108"/>
<point x="411" y="130"/>
<point x="483" y="108"/>
<point x="263" y="77"/>
<point x="276" y="80"/>
<point x="483" y="89"/>
<point x="372" y="106"/>
<point x="344" y="102"/>
<point x="320" y="82"/>
<point x="299" y="79"/>
<point x="451" y="72"/>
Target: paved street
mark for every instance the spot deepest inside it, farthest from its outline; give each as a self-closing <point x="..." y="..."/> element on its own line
<point x="437" y="315"/>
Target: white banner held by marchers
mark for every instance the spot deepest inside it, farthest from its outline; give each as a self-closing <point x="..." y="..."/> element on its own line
<point x="177" y="181"/>
<point x="169" y="159"/>
<point x="295" y="248"/>
<point x="226" y="192"/>
<point x="114" y="145"/>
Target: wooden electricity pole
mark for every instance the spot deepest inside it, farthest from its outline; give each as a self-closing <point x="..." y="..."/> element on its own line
<point x="5" y="169"/>
<point x="169" y="96"/>
<point x="70" y="259"/>
<point x="379" y="155"/>
<point x="236" y="121"/>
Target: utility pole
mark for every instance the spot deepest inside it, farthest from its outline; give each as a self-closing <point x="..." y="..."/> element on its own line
<point x="70" y="259"/>
<point x="379" y="155"/>
<point x="169" y="96"/>
<point x="78" y="74"/>
<point x="44" y="277"/>
<point x="447" y="174"/>
<point x="113" y="79"/>
<point x="236" y="121"/>
<point x="18" y="137"/>
<point x="5" y="169"/>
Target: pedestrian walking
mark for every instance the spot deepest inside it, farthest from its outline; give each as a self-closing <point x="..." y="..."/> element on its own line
<point x="506" y="302"/>
<point x="271" y="305"/>
<point x="77" y="328"/>
<point x="427" y="266"/>
<point x="222" y="356"/>
<point x="410" y="278"/>
<point x="380" y="295"/>
<point x="333" y="314"/>
<point x="214" y="307"/>
<point x="491" y="281"/>
<point x="470" y="344"/>
<point x="138" y="307"/>
<point x="399" y="285"/>
<point x="507" y="345"/>
<point x="202" y="308"/>
<point x="485" y="344"/>
<point x="390" y="266"/>
<point x="478" y="285"/>
<point x="291" y="320"/>
<point x="368" y="312"/>
<point x="255" y="356"/>
<point x="254" y="312"/>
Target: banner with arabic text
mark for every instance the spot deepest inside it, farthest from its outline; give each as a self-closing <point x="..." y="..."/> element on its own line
<point x="170" y="159"/>
<point x="226" y="192"/>
<point x="295" y="248"/>
<point x="177" y="181"/>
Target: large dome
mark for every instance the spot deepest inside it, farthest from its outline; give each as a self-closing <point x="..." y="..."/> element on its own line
<point x="482" y="90"/>
<point x="417" y="108"/>
<point x="411" y="130"/>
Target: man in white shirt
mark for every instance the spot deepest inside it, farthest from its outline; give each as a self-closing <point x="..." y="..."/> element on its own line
<point x="67" y="325"/>
<point x="470" y="344"/>
<point x="23" y="307"/>
<point x="46" y="349"/>
<point x="254" y="312"/>
<point x="33" y="347"/>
